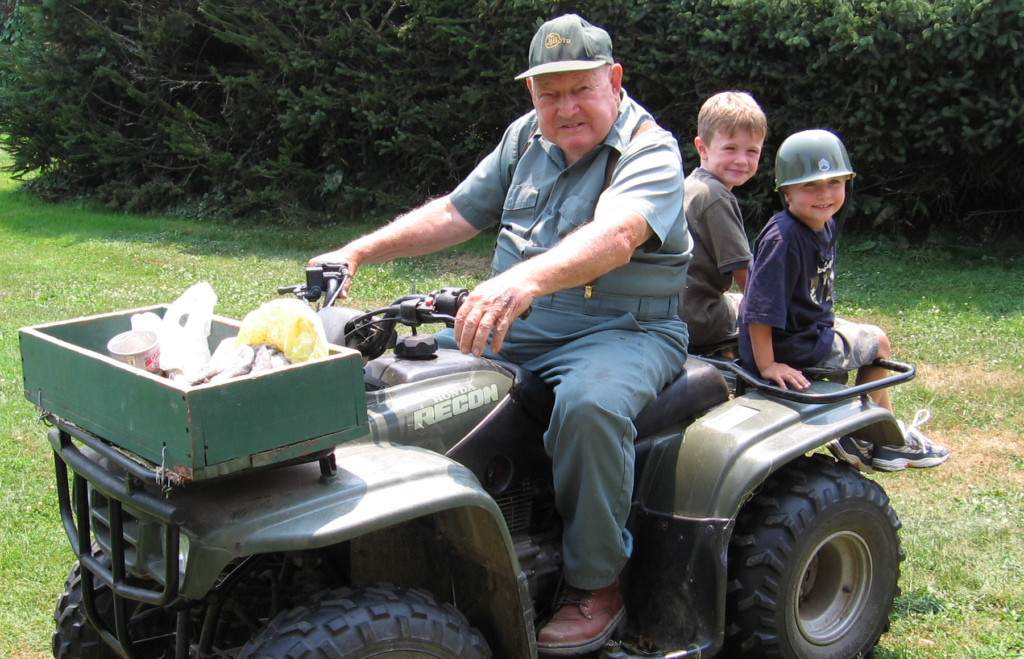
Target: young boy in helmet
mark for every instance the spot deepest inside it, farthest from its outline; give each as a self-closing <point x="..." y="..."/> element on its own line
<point x="788" y="329"/>
<point x="731" y="128"/>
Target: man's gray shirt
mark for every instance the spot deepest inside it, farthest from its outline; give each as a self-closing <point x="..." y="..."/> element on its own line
<point x="525" y="186"/>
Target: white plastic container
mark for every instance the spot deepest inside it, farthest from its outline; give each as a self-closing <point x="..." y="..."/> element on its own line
<point x="137" y="348"/>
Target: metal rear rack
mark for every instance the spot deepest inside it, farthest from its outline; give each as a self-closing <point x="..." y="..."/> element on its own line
<point x="745" y="379"/>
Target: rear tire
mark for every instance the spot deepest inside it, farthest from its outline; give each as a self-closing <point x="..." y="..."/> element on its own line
<point x="814" y="565"/>
<point x="373" y="621"/>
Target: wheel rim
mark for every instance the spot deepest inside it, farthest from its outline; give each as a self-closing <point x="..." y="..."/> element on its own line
<point x="834" y="589"/>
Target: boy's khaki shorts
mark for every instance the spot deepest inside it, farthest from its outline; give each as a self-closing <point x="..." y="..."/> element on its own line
<point x="854" y="345"/>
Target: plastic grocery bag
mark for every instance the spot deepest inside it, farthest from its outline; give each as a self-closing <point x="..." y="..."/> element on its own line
<point x="147" y="322"/>
<point x="185" y="331"/>
<point x="289" y="325"/>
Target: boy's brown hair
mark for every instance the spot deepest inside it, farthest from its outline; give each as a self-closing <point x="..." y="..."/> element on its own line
<point x="727" y="112"/>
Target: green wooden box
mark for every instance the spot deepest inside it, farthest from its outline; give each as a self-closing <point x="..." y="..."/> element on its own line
<point x="191" y="432"/>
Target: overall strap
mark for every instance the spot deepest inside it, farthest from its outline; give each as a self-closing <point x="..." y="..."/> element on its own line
<point x="524" y="144"/>
<point x="613" y="159"/>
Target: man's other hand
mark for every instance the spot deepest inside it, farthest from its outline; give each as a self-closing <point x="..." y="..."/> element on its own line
<point x="488" y="312"/>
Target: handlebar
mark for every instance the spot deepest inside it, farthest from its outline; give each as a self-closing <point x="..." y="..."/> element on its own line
<point x="325" y="280"/>
<point x="417" y="309"/>
<point x="371" y="332"/>
<point x="904" y="373"/>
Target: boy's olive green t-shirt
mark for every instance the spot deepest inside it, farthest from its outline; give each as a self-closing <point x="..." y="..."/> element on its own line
<point x="720" y="247"/>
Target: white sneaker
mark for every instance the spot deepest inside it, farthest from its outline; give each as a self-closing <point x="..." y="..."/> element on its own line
<point x="918" y="453"/>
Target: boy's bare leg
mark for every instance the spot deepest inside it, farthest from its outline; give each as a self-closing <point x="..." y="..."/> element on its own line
<point x="872" y="373"/>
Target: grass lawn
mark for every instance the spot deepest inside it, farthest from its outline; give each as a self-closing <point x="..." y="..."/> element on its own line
<point x="957" y="316"/>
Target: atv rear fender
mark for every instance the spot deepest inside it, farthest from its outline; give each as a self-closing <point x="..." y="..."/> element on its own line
<point x="694" y="482"/>
<point x="719" y="460"/>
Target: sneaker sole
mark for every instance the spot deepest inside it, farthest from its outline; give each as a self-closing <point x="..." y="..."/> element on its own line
<point x="899" y="464"/>
<point x="837" y="450"/>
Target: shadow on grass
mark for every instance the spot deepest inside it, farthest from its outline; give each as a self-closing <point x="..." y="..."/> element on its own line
<point x="874" y="275"/>
<point x="33" y="219"/>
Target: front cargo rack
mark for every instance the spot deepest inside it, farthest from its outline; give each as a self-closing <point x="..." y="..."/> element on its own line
<point x="77" y="515"/>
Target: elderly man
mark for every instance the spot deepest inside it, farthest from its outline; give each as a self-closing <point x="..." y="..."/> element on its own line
<point x="587" y="193"/>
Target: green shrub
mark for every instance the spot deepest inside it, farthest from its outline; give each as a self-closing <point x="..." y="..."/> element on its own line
<point x="343" y="108"/>
<point x="9" y="28"/>
<point x="10" y="32"/>
<point x="924" y="94"/>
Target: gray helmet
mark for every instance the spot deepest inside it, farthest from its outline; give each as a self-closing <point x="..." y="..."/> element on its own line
<point x="811" y="155"/>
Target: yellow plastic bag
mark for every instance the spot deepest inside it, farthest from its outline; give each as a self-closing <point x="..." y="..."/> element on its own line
<point x="289" y="325"/>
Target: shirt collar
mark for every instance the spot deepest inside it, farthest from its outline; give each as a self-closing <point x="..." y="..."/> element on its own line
<point x="629" y="118"/>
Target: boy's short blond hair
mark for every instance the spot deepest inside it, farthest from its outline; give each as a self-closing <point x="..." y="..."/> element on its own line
<point x="728" y="112"/>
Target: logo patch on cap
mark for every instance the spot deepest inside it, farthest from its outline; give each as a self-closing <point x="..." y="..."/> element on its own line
<point x="554" y="40"/>
<point x="824" y="165"/>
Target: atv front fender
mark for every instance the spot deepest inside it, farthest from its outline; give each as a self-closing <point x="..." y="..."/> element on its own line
<point x="390" y="513"/>
<point x="413" y="517"/>
<point x="710" y="470"/>
<point x="377" y="485"/>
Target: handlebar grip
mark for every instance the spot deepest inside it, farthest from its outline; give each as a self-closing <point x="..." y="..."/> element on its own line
<point x="448" y="300"/>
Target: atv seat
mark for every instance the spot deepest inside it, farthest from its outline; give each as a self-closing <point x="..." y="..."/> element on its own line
<point x="728" y="346"/>
<point x="698" y="388"/>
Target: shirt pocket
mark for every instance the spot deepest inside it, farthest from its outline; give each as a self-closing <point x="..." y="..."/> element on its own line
<point x="519" y="198"/>
<point x="576" y="211"/>
<point x="519" y="211"/>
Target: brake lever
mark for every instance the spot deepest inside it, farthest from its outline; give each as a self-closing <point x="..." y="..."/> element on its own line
<point x="334" y="276"/>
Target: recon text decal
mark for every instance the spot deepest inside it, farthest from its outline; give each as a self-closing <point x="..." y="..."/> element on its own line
<point x="453" y="403"/>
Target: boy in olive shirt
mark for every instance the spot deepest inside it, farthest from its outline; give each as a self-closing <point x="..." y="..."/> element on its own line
<point x="731" y="129"/>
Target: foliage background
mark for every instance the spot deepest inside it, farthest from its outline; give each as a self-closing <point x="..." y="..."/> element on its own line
<point x="322" y="110"/>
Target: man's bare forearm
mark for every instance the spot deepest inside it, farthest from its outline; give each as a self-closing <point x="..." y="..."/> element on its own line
<point x="581" y="257"/>
<point x="427" y="229"/>
<point x="584" y="255"/>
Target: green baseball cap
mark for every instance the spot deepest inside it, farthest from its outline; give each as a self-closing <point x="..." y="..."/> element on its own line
<point x="568" y="43"/>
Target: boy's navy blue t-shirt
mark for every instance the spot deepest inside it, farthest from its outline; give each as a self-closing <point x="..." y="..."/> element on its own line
<point x="790" y="289"/>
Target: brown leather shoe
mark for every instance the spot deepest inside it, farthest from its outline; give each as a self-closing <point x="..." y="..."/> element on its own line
<point x="583" y="622"/>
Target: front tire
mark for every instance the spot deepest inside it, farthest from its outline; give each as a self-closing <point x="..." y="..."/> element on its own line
<point x="74" y="637"/>
<point x="814" y="564"/>
<point x="374" y="621"/>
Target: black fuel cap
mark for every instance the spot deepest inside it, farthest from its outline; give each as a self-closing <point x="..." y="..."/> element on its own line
<point x="416" y="346"/>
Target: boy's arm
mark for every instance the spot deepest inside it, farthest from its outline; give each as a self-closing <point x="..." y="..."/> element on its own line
<point x="740" y="275"/>
<point x="764" y="356"/>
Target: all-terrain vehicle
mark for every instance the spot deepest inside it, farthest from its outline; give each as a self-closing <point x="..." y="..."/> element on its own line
<point x="431" y="531"/>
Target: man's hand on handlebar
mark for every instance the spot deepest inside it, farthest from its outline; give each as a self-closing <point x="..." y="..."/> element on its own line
<point x="342" y="257"/>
